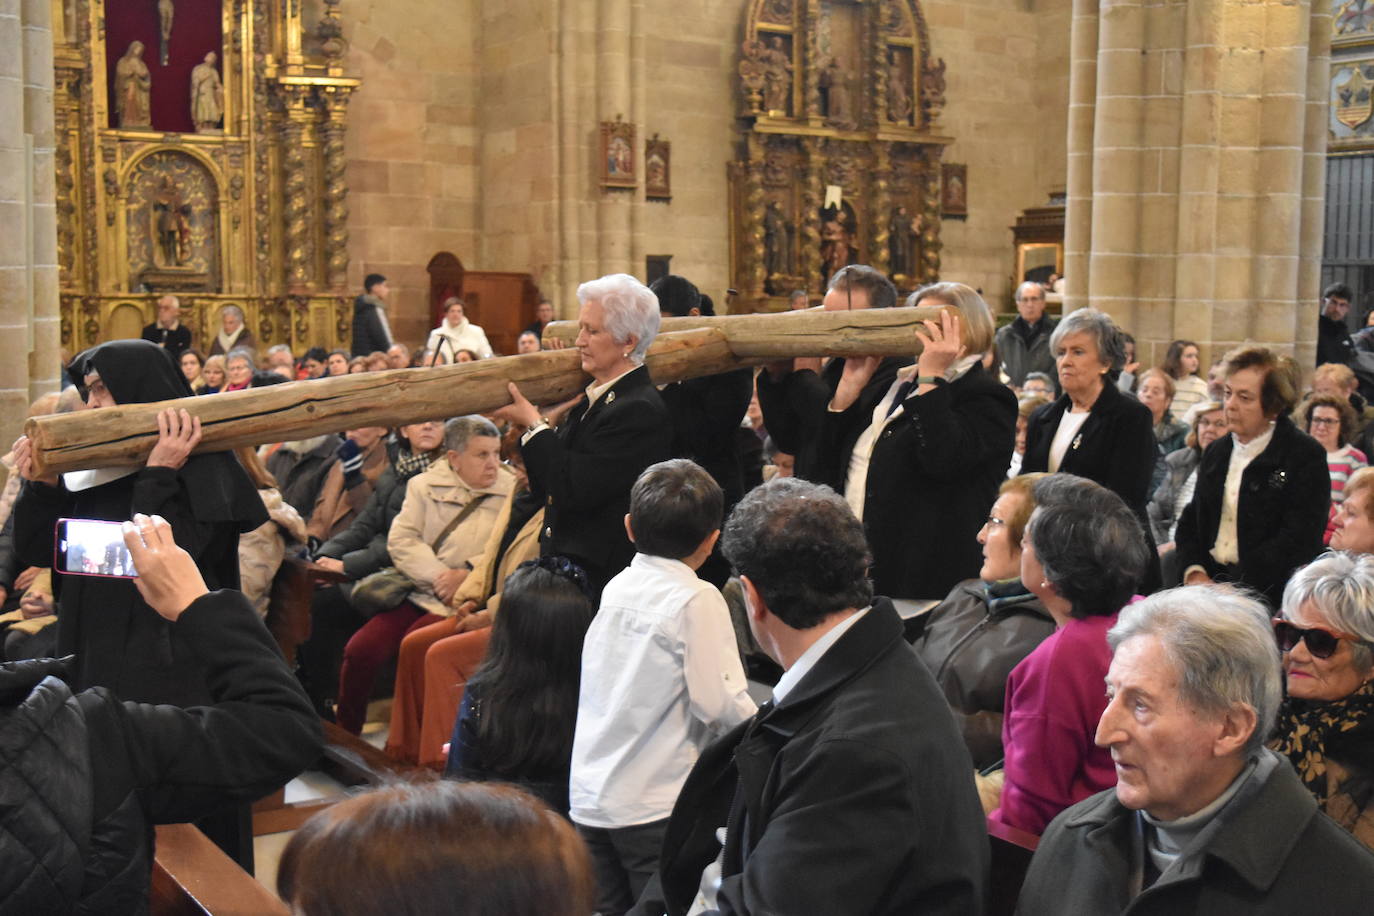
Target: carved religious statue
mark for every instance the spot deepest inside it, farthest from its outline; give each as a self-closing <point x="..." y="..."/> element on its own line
<point x="898" y="93"/>
<point x="834" y="85"/>
<point x="171" y="225"/>
<point x="132" y="85"/>
<point x="837" y="232"/>
<point x="900" y="231"/>
<point x="207" y="95"/>
<point x="166" y="11"/>
<point x="777" y="76"/>
<point x="753" y="71"/>
<point x="777" y="242"/>
<point x="933" y="88"/>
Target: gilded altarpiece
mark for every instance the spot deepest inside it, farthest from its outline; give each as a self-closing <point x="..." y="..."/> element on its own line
<point x="839" y="152"/>
<point x="201" y="153"/>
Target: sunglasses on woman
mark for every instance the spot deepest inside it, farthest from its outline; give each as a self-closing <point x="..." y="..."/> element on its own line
<point x="1320" y="643"/>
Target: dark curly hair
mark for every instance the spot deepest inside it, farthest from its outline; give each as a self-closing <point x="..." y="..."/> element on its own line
<point x="802" y="548"/>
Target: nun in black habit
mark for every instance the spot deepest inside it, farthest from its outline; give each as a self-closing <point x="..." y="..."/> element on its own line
<point x="119" y="642"/>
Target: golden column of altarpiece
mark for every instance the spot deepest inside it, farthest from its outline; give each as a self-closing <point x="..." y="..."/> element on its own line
<point x="156" y="194"/>
<point x="839" y="153"/>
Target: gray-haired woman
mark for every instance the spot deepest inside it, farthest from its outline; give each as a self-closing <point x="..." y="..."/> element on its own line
<point x="586" y="468"/>
<point x="1326" y="724"/>
<point x="234" y="333"/>
<point x="1093" y="430"/>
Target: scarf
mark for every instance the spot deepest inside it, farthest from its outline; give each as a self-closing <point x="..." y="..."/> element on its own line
<point x="408" y="464"/>
<point x="1309" y="729"/>
<point x="227" y="341"/>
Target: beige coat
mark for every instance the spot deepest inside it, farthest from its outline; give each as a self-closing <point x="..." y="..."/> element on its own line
<point x="433" y="498"/>
<point x="337" y="506"/>
<point x="489" y="571"/>
<point x="262" y="549"/>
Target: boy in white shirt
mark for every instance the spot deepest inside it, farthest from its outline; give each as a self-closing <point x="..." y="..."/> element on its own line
<point x="661" y="677"/>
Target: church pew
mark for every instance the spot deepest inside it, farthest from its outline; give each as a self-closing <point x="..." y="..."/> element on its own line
<point x="1012" y="849"/>
<point x="192" y="877"/>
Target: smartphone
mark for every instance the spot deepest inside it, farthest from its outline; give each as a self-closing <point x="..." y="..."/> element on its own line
<point x="89" y="547"/>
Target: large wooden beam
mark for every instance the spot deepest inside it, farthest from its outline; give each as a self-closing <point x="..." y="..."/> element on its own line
<point x="812" y="332"/>
<point x="125" y="435"/>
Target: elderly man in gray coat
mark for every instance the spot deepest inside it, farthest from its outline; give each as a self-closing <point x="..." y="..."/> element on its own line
<point x="1203" y="818"/>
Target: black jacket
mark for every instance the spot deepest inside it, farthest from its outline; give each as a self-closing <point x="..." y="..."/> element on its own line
<point x="932" y="476"/>
<point x="85" y="776"/>
<point x="175" y="341"/>
<point x="585" y="470"/>
<point x="853" y="795"/>
<point x="1275" y="853"/>
<point x="794" y="407"/>
<point x="1285" y="497"/>
<point x="362" y="545"/>
<point x="369" y="334"/>
<point x="706" y="413"/>
<point x="1333" y="342"/>
<point x="1116" y="447"/>
<point x="970" y="642"/>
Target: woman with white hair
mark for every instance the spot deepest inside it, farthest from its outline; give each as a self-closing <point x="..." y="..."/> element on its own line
<point x="234" y="333"/>
<point x="920" y="459"/>
<point x="1093" y="430"/>
<point x="1326" y="724"/>
<point x="585" y="469"/>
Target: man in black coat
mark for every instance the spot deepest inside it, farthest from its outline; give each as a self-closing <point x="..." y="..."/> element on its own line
<point x="87" y="776"/>
<point x="1283" y="496"/>
<point x="371" y="331"/>
<point x="1333" y="334"/>
<point x="168" y="332"/>
<point x="850" y="792"/>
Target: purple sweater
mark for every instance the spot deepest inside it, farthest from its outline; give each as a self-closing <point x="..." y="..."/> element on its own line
<point x="1054" y="700"/>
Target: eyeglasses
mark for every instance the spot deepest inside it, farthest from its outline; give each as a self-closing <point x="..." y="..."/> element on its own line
<point x="1325" y="421"/>
<point x="1320" y="643"/>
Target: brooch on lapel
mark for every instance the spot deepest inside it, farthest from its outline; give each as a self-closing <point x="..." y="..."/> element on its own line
<point x="1278" y="479"/>
<point x="1077" y="441"/>
<point x="610" y="397"/>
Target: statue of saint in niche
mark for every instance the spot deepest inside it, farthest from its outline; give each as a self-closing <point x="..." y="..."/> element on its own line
<point x="900" y="232"/>
<point x="837" y="237"/>
<point x="171" y="226"/>
<point x="898" y="94"/>
<point x="777" y="242"/>
<point x="834" y="86"/>
<point x="777" y="76"/>
<point x="166" y="11"/>
<point x="132" y="85"/>
<point x="207" y="95"/>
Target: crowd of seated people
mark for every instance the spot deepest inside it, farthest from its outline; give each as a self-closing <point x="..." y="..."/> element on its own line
<point x="549" y="582"/>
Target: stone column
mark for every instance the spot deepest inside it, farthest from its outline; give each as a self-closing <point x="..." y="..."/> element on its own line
<point x="28" y="216"/>
<point x="1196" y="164"/>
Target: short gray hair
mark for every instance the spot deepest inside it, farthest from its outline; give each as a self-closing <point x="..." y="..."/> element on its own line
<point x="978" y="326"/>
<point x="242" y="353"/>
<point x="1111" y="349"/>
<point x="1341" y="587"/>
<point x="1221" y="645"/>
<point x="459" y="430"/>
<point x="1021" y="290"/>
<point x="631" y="310"/>
<point x="233" y="310"/>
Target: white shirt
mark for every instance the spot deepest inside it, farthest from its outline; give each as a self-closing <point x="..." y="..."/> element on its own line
<point x="856" y="480"/>
<point x="661" y="677"/>
<point x="705" y="901"/>
<point x="1226" y="549"/>
<point x="1069" y="425"/>
<point x="461" y="336"/>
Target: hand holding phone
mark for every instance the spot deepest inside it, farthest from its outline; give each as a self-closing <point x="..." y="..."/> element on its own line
<point x="168" y="578"/>
<point x="92" y="547"/>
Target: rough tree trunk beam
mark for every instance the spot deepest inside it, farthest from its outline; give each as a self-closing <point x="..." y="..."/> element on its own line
<point x="125" y="435"/>
<point x="812" y="332"/>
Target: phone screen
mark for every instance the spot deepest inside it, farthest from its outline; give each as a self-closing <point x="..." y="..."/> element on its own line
<point x="87" y="547"/>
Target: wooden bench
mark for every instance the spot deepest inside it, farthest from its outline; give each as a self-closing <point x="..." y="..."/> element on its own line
<point x="192" y="877"/>
<point x="1012" y="849"/>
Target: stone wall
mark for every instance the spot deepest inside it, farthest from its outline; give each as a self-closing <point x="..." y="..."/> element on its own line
<point x="412" y="146"/>
<point x="28" y="216"/>
<point x="475" y="132"/>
